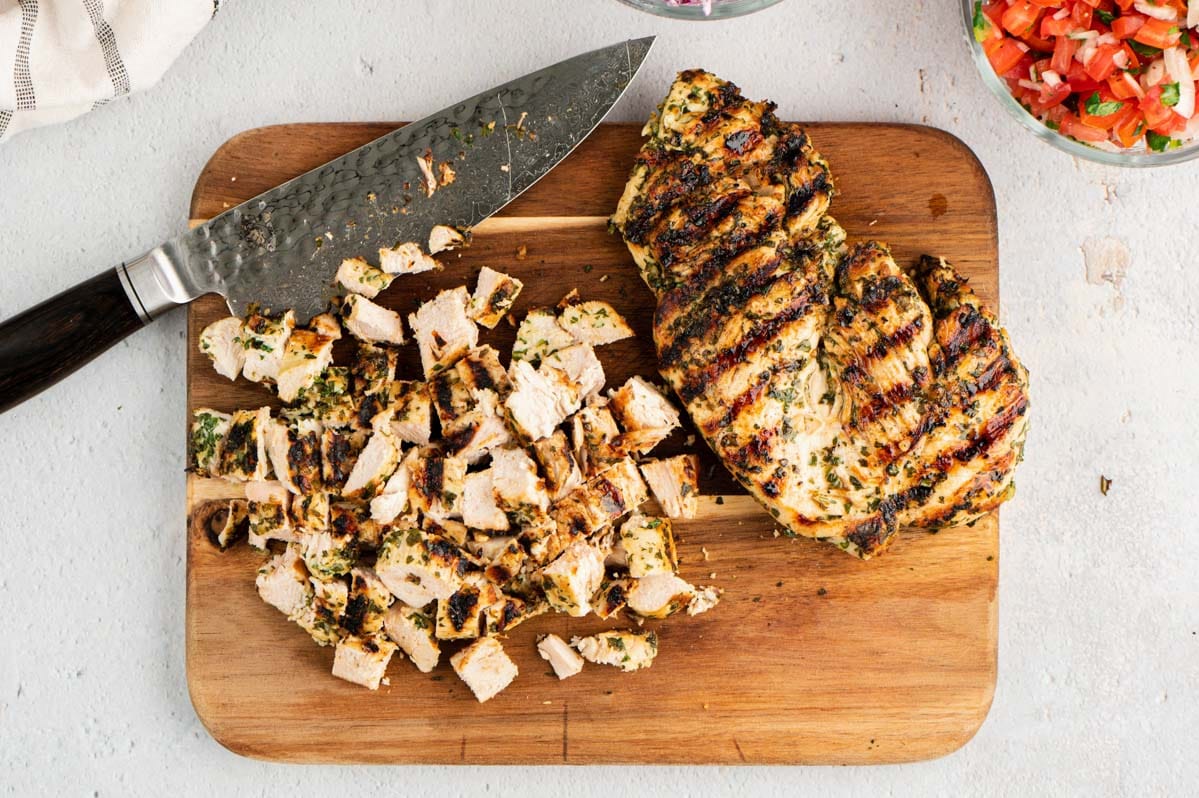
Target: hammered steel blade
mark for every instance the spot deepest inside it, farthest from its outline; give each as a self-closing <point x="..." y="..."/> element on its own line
<point x="282" y="249"/>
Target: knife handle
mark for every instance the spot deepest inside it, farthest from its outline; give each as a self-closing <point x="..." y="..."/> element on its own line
<point x="51" y="340"/>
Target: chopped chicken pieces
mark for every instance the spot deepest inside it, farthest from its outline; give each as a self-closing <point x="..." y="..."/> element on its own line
<point x="412" y="630"/>
<point x="648" y="545"/>
<point x="573" y="578"/>
<point x="442" y="329"/>
<point x="595" y="323"/>
<point x="628" y="651"/>
<point x="485" y="668"/>
<point x="222" y="342"/>
<point x="305" y="357"/>
<point x="208" y="436"/>
<point x="561" y="657"/>
<point x="540" y="336"/>
<point x="376" y="462"/>
<point x="359" y="277"/>
<point x="369" y="322"/>
<point x="509" y="507"/>
<point x="363" y="660"/>
<point x="406" y="258"/>
<point x="675" y="484"/>
<point x="443" y="237"/>
<point x="495" y="293"/>
<point x="659" y="595"/>
<point x="264" y="340"/>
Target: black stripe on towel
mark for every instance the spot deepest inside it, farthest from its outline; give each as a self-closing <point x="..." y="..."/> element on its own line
<point x="5" y="118"/>
<point x="22" y="80"/>
<point x="108" y="45"/>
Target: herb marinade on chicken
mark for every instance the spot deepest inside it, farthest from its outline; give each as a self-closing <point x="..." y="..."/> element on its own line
<point x="850" y="396"/>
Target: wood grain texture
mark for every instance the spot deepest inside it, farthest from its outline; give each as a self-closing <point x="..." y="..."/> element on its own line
<point x="812" y="656"/>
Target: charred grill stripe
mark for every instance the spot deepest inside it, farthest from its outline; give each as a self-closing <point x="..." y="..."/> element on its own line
<point x="481" y="375"/>
<point x="698" y="221"/>
<point x="738" y="405"/>
<point x="689" y="296"/>
<point x="698" y="380"/>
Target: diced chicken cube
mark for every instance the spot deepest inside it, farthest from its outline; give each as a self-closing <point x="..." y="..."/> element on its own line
<point x="321" y="619"/>
<point x="540" y="400"/>
<point x="511" y="611"/>
<point x="612" y="597"/>
<point x="484" y="667"/>
<point x="428" y="180"/>
<point x="659" y="595"/>
<point x="412" y="630"/>
<point x="594" y="323"/>
<point x="326" y="324"/>
<point x="495" y="293"/>
<point x="443" y="237"/>
<point x="243" y="456"/>
<point x="581" y="366"/>
<point x="557" y="460"/>
<point x="675" y="484"/>
<point x="374" y="369"/>
<point x="561" y="657"/>
<point x="479" y="507"/>
<point x="266" y="511"/>
<point x="482" y="373"/>
<point x="540" y="336"/>
<point x="339" y="454"/>
<point x="628" y="651"/>
<point x="450" y="397"/>
<point x="418" y="568"/>
<point x="442" y="329"/>
<point x="573" y="578"/>
<point x="437" y="482"/>
<point x="411" y="412"/>
<point x="367" y="603"/>
<point x="369" y="322"/>
<point x="228" y="524"/>
<point x="592" y="432"/>
<point x="599" y="502"/>
<point x="222" y="342"/>
<point x="453" y="531"/>
<point x="309" y="512"/>
<point x="479" y="431"/>
<point x="648" y="544"/>
<point x="363" y="660"/>
<point x="705" y="599"/>
<point x="302" y="459"/>
<point x="460" y="617"/>
<point x="328" y="400"/>
<point x="506" y="563"/>
<point x="282" y="582"/>
<point x="305" y="357"/>
<point x="393" y="499"/>
<point x="376" y="462"/>
<point x="406" y="258"/>
<point x="330" y="553"/>
<point x="264" y="340"/>
<point x="359" y="277"/>
<point x="518" y="488"/>
<point x="209" y="428"/>
<point x="640" y="407"/>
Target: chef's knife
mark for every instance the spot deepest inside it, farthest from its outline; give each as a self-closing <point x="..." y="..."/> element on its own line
<point x="281" y="249"/>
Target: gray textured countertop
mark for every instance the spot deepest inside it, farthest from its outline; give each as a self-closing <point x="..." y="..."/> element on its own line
<point x="1099" y="611"/>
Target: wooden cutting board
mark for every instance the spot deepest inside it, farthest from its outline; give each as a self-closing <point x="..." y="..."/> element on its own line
<point x="811" y="657"/>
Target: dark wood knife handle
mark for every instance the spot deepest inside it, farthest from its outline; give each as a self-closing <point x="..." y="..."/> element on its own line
<point x="51" y="340"/>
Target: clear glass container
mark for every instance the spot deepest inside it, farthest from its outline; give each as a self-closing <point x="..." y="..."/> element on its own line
<point x="1135" y="157"/>
<point x="694" y="9"/>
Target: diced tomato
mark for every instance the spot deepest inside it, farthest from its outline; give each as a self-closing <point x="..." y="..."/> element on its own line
<point x="1083" y="14"/>
<point x="1080" y="80"/>
<point x="1131" y="128"/>
<point x="1103" y="63"/>
<point x="1063" y="54"/>
<point x="1156" y="114"/>
<point x="1051" y="97"/>
<point x="1071" y="126"/>
<point x="1124" y="86"/>
<point x="1172" y="124"/>
<point x="1159" y="33"/>
<point x="1056" y="27"/>
<point x="1005" y="55"/>
<point x="1021" y="18"/>
<point x="1126" y="25"/>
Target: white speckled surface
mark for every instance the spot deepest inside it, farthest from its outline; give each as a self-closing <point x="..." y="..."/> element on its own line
<point x="1099" y="609"/>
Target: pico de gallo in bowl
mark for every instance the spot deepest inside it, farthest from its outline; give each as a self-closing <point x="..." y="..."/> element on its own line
<point x="1110" y="80"/>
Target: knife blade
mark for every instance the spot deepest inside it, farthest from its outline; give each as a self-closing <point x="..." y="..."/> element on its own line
<point x="281" y="249"/>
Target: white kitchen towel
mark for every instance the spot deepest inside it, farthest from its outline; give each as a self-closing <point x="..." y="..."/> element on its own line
<point x="60" y="59"/>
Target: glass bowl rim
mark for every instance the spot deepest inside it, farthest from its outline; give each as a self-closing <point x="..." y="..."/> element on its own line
<point x="726" y="9"/>
<point x="1135" y="159"/>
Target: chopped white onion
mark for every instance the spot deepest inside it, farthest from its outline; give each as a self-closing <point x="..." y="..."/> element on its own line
<point x="1153" y="74"/>
<point x="1179" y="70"/>
<point x="1150" y="9"/>
<point x="1051" y="78"/>
<point x="1065" y="12"/>
<point x="1192" y="14"/>
<point x="1079" y="35"/>
<point x="1107" y="38"/>
<point x="1028" y="84"/>
<point x="1132" y="84"/>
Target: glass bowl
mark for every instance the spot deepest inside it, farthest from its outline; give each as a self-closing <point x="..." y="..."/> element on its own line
<point x="1134" y="158"/>
<point x="721" y="9"/>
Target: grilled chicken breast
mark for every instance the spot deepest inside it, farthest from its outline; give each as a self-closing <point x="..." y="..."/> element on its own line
<point x="850" y="396"/>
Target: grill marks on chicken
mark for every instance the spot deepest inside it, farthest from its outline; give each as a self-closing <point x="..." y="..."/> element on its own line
<point x="849" y="396"/>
